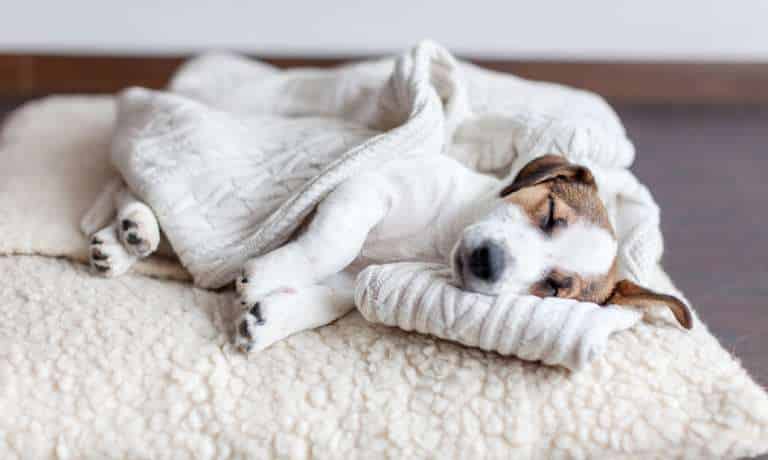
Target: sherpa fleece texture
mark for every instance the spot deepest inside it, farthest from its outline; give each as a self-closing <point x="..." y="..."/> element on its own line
<point x="135" y="367"/>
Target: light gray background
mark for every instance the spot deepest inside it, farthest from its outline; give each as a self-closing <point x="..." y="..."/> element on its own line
<point x="590" y="29"/>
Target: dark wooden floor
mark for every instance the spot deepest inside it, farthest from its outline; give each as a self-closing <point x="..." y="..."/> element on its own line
<point x="708" y="168"/>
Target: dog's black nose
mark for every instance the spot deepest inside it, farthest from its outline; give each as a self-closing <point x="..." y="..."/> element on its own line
<point x="486" y="262"/>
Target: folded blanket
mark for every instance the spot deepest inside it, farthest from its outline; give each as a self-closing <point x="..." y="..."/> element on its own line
<point x="420" y="297"/>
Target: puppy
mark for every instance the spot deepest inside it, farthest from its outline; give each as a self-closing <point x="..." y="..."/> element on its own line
<point x="546" y="234"/>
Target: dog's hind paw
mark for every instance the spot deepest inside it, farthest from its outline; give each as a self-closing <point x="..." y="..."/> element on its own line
<point x="261" y="322"/>
<point x="139" y="232"/>
<point x="107" y="255"/>
<point x="248" y="325"/>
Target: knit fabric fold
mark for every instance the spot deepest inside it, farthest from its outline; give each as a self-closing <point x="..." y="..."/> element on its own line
<point x="419" y="297"/>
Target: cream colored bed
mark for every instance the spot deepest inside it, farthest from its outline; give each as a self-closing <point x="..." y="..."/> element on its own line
<point x="137" y="367"/>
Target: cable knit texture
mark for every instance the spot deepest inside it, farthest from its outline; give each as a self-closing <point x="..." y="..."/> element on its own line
<point x="420" y="297"/>
<point x="247" y="178"/>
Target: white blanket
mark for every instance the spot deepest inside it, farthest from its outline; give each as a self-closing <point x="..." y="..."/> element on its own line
<point x="134" y="367"/>
<point x="237" y="154"/>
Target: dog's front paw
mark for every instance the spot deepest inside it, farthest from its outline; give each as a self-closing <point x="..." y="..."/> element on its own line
<point x="107" y="255"/>
<point x="139" y="232"/>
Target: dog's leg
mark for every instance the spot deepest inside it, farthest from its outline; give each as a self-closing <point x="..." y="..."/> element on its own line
<point x="288" y="311"/>
<point x="137" y="226"/>
<point x="330" y="243"/>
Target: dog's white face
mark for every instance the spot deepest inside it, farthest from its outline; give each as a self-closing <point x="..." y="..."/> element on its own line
<point x="505" y="251"/>
<point x="549" y="235"/>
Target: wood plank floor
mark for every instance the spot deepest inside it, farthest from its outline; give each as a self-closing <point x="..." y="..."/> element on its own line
<point x="708" y="168"/>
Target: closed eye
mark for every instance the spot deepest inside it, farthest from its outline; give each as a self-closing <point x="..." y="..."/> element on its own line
<point x="549" y="222"/>
<point x="554" y="285"/>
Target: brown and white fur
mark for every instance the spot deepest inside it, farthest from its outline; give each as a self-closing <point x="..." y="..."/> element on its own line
<point x="547" y="234"/>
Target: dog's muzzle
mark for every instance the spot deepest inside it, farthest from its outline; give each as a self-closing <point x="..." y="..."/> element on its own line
<point x="485" y="262"/>
<point x="502" y="252"/>
<point x="480" y="267"/>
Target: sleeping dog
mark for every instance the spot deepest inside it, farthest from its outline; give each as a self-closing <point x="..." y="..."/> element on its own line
<point x="547" y="234"/>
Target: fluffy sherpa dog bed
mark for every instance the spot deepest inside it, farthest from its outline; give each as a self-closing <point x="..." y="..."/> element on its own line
<point x="136" y="367"/>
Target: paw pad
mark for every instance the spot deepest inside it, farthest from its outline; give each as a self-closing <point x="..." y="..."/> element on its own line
<point x="132" y="238"/>
<point x="244" y="331"/>
<point x="255" y="311"/>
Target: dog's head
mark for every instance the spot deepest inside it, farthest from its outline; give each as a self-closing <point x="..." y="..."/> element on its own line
<point x="549" y="235"/>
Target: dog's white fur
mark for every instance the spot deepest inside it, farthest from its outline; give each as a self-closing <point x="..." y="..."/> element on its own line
<point x="393" y="213"/>
<point x="582" y="248"/>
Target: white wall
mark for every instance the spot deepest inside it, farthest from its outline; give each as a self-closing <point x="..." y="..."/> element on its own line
<point x="655" y="29"/>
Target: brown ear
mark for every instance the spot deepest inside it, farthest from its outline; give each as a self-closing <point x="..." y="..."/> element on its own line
<point x="628" y="293"/>
<point x="546" y="168"/>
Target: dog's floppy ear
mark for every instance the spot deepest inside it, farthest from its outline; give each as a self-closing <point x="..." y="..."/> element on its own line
<point x="546" y="168"/>
<point x="628" y="293"/>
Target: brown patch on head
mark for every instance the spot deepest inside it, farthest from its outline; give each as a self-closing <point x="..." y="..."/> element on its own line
<point x="571" y="188"/>
<point x="547" y="168"/>
<point x="554" y="194"/>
